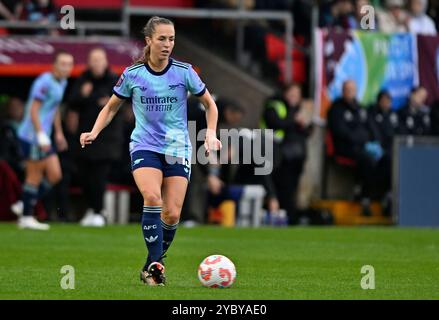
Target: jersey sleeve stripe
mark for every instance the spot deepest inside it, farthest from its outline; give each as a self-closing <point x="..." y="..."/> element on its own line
<point x="180" y="65"/>
<point x="199" y="94"/>
<point x="179" y="62"/>
<point x="120" y="96"/>
<point x="134" y="67"/>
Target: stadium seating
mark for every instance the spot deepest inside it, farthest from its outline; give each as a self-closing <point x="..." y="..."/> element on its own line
<point x="349" y="213"/>
<point x="117" y="203"/>
<point x="342" y="166"/>
<point x="275" y="53"/>
<point x="250" y="206"/>
<point x="330" y="152"/>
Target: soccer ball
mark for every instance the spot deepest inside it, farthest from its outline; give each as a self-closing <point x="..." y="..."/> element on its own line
<point x="217" y="271"/>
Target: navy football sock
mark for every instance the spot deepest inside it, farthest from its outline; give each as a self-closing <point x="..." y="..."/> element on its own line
<point x="29" y="198"/>
<point x="44" y="188"/>
<point x="169" y="231"/>
<point x="152" y="232"/>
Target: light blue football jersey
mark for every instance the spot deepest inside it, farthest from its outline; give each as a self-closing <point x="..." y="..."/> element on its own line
<point x="159" y="101"/>
<point x="47" y="89"/>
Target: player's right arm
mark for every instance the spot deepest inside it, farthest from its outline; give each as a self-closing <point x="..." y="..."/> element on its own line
<point x="104" y="118"/>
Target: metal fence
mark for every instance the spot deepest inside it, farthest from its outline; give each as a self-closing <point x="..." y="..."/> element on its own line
<point x="241" y="15"/>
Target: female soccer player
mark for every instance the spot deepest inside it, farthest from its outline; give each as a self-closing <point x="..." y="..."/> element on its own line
<point x="42" y="113"/>
<point x="160" y="147"/>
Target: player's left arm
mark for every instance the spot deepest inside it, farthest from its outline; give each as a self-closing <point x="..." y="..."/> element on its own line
<point x="60" y="140"/>
<point x="211" y="141"/>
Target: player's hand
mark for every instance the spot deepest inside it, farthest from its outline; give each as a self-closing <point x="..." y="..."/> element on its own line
<point x="273" y="205"/>
<point x="211" y="142"/>
<point x="61" y="142"/>
<point x="43" y="141"/>
<point x="300" y="119"/>
<point x="86" y="138"/>
<point x="214" y="184"/>
<point x="86" y="89"/>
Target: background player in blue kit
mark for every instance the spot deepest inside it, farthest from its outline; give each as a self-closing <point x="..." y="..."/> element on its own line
<point x="160" y="147"/>
<point x="42" y="113"/>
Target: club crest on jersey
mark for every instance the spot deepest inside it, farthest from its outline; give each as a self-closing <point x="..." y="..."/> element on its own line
<point x="174" y="86"/>
<point x="119" y="82"/>
<point x="44" y="90"/>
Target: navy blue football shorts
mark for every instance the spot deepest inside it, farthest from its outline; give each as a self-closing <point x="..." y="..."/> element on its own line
<point x="33" y="152"/>
<point x="170" y="166"/>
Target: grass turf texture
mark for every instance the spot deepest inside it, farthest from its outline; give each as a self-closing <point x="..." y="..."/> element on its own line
<point x="290" y="263"/>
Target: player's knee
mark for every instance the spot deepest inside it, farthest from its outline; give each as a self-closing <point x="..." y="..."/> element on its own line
<point x="172" y="215"/>
<point x="55" y="178"/>
<point x="33" y="180"/>
<point x="151" y="198"/>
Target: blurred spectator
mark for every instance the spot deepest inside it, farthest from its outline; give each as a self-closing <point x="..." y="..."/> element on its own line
<point x="60" y="194"/>
<point x="9" y="143"/>
<point x="344" y="17"/>
<point x="42" y="11"/>
<point x="90" y="93"/>
<point x="415" y="116"/>
<point x="225" y="181"/>
<point x="194" y="205"/>
<point x="283" y="114"/>
<point x="385" y="123"/>
<point x="14" y="112"/>
<point x="230" y="113"/>
<point x="338" y="13"/>
<point x="245" y="174"/>
<point x="221" y="176"/>
<point x="385" y="119"/>
<point x="121" y="168"/>
<point x="393" y="18"/>
<point x="420" y="22"/>
<point x="353" y="138"/>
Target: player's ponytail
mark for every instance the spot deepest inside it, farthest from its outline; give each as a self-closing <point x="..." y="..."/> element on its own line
<point x="148" y="31"/>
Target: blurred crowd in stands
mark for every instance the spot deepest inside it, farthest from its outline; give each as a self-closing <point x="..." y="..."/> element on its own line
<point x="40" y="11"/>
<point x="264" y="43"/>
<point x="414" y="16"/>
<point x="361" y="135"/>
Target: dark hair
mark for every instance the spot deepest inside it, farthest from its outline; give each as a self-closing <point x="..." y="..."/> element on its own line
<point x="229" y="104"/>
<point x="292" y="85"/>
<point x="382" y="94"/>
<point x="148" y="31"/>
<point x="96" y="49"/>
<point x="60" y="52"/>
<point x="416" y="89"/>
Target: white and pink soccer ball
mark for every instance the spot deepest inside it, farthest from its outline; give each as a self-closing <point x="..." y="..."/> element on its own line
<point x="217" y="271"/>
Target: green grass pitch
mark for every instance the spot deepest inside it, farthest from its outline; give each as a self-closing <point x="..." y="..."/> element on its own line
<point x="282" y="263"/>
